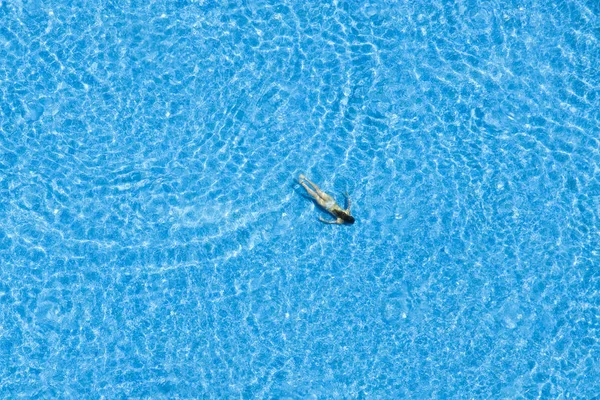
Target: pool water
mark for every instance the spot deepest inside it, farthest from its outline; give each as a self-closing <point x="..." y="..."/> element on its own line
<point x="155" y="244"/>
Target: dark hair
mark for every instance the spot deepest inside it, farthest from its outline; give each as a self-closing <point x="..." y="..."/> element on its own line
<point x="349" y="219"/>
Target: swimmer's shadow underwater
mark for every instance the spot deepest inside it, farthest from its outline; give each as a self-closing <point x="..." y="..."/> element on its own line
<point x="327" y="203"/>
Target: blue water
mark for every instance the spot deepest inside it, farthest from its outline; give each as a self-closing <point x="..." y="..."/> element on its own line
<point x="154" y="242"/>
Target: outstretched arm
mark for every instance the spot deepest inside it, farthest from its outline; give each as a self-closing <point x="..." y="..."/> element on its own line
<point x="348" y="202"/>
<point x="337" y="221"/>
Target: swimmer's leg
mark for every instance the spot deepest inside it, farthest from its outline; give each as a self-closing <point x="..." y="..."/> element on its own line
<point x="314" y="195"/>
<point x="309" y="190"/>
<point x="321" y="193"/>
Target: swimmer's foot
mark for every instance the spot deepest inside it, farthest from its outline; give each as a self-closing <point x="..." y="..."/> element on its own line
<point x="302" y="177"/>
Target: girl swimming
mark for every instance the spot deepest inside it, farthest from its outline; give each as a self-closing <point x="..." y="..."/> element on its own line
<point x="328" y="203"/>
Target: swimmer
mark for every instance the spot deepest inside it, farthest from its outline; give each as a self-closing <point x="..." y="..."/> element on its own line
<point x="328" y="203"/>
